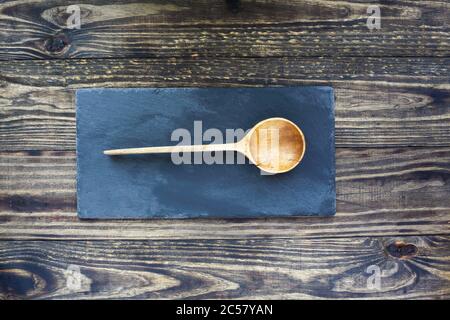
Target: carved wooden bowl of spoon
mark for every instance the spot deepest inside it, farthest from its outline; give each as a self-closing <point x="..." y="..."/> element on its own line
<point x="274" y="145"/>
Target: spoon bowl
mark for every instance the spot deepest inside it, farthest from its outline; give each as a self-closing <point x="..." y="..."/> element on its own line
<point x="274" y="145"/>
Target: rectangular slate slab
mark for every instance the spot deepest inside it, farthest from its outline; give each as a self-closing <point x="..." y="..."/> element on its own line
<point x="152" y="186"/>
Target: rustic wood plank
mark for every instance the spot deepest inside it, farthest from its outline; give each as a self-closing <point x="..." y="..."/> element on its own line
<point x="271" y="268"/>
<point x="256" y="28"/>
<point x="427" y="72"/>
<point x="379" y="102"/>
<point x="379" y="192"/>
<point x="382" y="100"/>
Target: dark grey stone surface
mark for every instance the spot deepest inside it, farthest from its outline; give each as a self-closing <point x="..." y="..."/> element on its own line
<point x="151" y="186"/>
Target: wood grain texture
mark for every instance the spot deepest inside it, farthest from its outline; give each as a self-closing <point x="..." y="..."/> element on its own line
<point x="379" y="102"/>
<point x="386" y="191"/>
<point x="413" y="267"/>
<point x="428" y="72"/>
<point x="38" y="29"/>
<point x="392" y="133"/>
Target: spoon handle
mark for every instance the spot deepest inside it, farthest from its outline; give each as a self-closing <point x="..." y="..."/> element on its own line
<point x="170" y="149"/>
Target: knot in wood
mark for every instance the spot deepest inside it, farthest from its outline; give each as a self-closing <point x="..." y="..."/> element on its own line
<point x="401" y="250"/>
<point x="57" y="44"/>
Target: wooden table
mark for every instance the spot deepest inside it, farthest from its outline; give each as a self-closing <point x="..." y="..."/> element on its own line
<point x="392" y="149"/>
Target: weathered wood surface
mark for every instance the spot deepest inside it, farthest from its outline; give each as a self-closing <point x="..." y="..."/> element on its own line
<point x="413" y="267"/>
<point x="234" y="28"/>
<point x="392" y="133"/>
<point x="428" y="72"/>
<point x="386" y="191"/>
<point x="379" y="102"/>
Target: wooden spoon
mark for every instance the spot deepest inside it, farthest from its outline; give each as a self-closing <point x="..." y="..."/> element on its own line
<point x="274" y="145"/>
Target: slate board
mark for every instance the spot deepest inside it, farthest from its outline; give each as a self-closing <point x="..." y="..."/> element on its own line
<point x="152" y="186"/>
